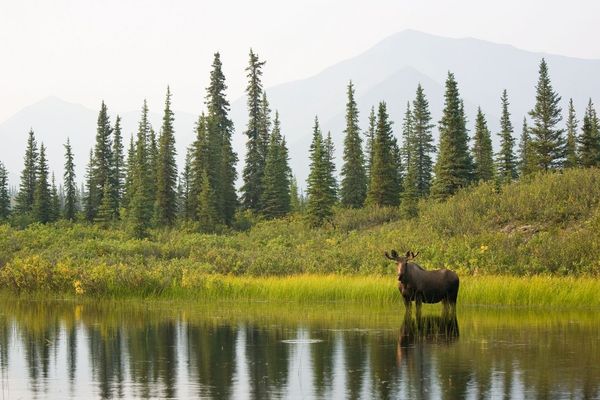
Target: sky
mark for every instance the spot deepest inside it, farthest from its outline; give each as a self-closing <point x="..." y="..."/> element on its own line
<point x="126" y="50"/>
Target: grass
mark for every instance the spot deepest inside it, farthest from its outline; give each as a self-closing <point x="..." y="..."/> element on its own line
<point x="535" y="291"/>
<point x="533" y="242"/>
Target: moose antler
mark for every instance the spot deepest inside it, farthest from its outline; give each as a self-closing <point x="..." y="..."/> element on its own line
<point x="393" y="256"/>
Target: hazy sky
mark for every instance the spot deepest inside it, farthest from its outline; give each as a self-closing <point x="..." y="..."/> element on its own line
<point x="123" y="51"/>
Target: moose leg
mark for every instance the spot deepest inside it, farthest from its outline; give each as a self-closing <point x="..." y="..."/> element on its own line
<point x="407" y="304"/>
<point x="418" y="303"/>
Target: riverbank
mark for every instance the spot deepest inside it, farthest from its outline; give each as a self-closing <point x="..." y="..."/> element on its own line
<point x="534" y="291"/>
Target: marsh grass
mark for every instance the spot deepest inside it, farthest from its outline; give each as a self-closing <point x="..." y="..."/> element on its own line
<point x="535" y="291"/>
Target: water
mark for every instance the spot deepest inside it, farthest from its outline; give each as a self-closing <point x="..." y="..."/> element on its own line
<point x="67" y="350"/>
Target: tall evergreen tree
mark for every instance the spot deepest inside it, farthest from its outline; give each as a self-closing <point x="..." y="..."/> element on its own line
<point x="422" y="144"/>
<point x="25" y="197"/>
<point x="89" y="194"/>
<point x="70" y="209"/>
<point x="102" y="169"/>
<point x="105" y="214"/>
<point x="384" y="188"/>
<point x="141" y="202"/>
<point x="330" y="160"/>
<point x="353" y="191"/>
<point x="166" y="193"/>
<point x="276" y="179"/>
<point x="128" y="185"/>
<point x="54" y="201"/>
<point x="369" y="145"/>
<point x="407" y="135"/>
<point x="547" y="141"/>
<point x="118" y="168"/>
<point x="152" y="156"/>
<point x="295" y="204"/>
<point x="42" y="202"/>
<point x="265" y="127"/>
<point x="221" y="171"/>
<point x="202" y="155"/>
<point x="454" y="166"/>
<point x="526" y="153"/>
<point x="255" y="154"/>
<point x="571" y="158"/>
<point x="4" y="194"/>
<point x="185" y="179"/>
<point x="506" y="160"/>
<point x="482" y="150"/>
<point x="589" y="139"/>
<point x="321" y="193"/>
<point x="207" y="212"/>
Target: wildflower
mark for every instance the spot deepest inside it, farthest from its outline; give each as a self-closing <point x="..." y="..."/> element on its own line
<point x="483" y="248"/>
<point x="78" y="289"/>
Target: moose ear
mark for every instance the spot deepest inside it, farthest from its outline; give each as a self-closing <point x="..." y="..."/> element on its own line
<point x="394" y="254"/>
<point x="387" y="256"/>
<point x="414" y="255"/>
<point x="408" y="254"/>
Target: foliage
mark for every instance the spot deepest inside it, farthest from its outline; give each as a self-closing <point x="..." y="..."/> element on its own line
<point x="506" y="160"/>
<point x="547" y="141"/>
<point x="454" y="166"/>
<point x="546" y="226"/>
<point x="353" y="189"/>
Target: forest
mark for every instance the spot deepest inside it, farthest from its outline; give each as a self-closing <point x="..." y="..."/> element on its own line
<point x="137" y="223"/>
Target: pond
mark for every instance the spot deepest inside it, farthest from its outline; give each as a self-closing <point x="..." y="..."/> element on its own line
<point x="136" y="349"/>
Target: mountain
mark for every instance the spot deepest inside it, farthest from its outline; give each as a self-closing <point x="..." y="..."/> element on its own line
<point x="53" y="120"/>
<point x="391" y="70"/>
<point x="388" y="71"/>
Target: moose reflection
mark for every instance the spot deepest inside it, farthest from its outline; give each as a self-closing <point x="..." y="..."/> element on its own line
<point x="422" y="286"/>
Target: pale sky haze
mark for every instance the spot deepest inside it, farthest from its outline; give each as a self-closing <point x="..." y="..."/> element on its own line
<point x="125" y="51"/>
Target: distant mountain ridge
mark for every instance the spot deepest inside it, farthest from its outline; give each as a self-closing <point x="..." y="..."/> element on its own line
<point x="389" y="71"/>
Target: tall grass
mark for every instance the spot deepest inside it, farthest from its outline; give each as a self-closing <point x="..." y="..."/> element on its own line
<point x="547" y="225"/>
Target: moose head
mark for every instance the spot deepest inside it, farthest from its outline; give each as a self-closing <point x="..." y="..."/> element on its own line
<point x="401" y="261"/>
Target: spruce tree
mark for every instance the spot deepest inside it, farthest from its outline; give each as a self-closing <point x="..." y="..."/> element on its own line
<point x="166" y="179"/>
<point x="370" y="133"/>
<point x="102" y="171"/>
<point x="506" y="160"/>
<point x="589" y="139"/>
<point x="408" y="144"/>
<point x="185" y="180"/>
<point x="25" y="197"/>
<point x="221" y="172"/>
<point x="207" y="212"/>
<point x="330" y="161"/>
<point x="255" y="154"/>
<point x="89" y="194"/>
<point x="482" y="150"/>
<point x="54" y="201"/>
<point x="118" y="168"/>
<point x="422" y="144"/>
<point x="152" y="157"/>
<point x="105" y="214"/>
<point x="454" y="167"/>
<point x="321" y="194"/>
<point x="526" y="153"/>
<point x="4" y="194"/>
<point x="264" y="127"/>
<point x="128" y="185"/>
<point x="384" y="187"/>
<point x="275" y="199"/>
<point x="70" y="209"/>
<point x="202" y="157"/>
<point x="295" y="204"/>
<point x="141" y="201"/>
<point x="42" y="200"/>
<point x="547" y="141"/>
<point x="353" y="191"/>
<point x="571" y="158"/>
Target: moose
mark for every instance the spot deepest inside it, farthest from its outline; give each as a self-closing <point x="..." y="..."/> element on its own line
<point x="422" y="286"/>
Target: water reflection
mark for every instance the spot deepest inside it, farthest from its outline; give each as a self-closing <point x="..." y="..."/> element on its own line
<point x="65" y="350"/>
